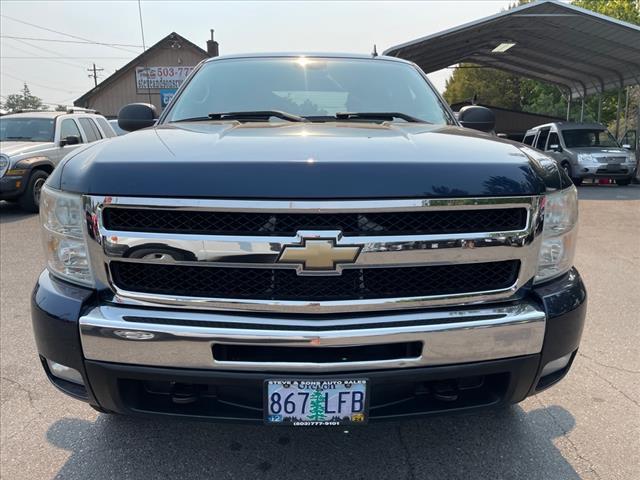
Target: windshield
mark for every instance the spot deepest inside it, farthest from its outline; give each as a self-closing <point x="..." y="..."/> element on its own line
<point x="25" y="129"/>
<point x="314" y="88"/>
<point x="588" y="138"/>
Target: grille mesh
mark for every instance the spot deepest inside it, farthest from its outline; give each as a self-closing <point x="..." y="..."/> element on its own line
<point x="287" y="224"/>
<point x="285" y="284"/>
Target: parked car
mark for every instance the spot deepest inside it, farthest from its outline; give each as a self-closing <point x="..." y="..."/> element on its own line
<point x="307" y="240"/>
<point x="33" y="143"/>
<point x="116" y="127"/>
<point x="584" y="150"/>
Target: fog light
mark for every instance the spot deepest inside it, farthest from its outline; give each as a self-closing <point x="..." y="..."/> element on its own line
<point x="556" y="365"/>
<point x="65" y="373"/>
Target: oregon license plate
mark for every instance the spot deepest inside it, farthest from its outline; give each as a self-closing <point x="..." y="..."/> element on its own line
<point x="316" y="402"/>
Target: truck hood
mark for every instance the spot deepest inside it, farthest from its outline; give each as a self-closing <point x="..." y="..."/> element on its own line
<point x="12" y="149"/>
<point x="305" y="160"/>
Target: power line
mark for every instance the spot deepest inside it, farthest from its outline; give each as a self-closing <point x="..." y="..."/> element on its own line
<point x="78" y="42"/>
<point x="144" y="49"/>
<point x="37" y="84"/>
<point x="46" y="50"/>
<point x="66" y="34"/>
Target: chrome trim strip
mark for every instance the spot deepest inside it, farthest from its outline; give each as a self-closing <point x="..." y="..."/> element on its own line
<point x="262" y="252"/>
<point x="112" y="334"/>
<point x="315" y="206"/>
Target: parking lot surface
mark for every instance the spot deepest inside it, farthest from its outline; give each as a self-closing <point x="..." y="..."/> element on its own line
<point x="587" y="427"/>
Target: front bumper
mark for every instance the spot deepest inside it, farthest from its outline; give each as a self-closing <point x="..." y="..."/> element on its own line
<point x="599" y="170"/>
<point x="12" y="186"/>
<point x="133" y="360"/>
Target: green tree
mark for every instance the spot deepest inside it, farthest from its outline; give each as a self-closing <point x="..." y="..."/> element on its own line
<point x="627" y="10"/>
<point x="487" y="85"/>
<point x="316" y="407"/>
<point x="23" y="101"/>
<point x="61" y="108"/>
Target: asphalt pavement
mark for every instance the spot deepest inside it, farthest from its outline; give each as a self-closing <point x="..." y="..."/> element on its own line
<point x="587" y="427"/>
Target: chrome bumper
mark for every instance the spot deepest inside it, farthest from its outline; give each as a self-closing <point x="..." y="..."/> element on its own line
<point x="186" y="339"/>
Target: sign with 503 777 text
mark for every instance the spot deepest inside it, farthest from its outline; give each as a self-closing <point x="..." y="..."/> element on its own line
<point x="161" y="77"/>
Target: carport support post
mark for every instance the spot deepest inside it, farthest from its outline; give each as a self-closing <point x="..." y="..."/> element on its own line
<point x="568" y="105"/>
<point x="599" y="106"/>
<point x="582" y="109"/>
<point x="618" y="112"/>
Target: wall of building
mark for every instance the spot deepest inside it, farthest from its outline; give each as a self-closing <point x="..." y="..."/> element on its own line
<point x="123" y="90"/>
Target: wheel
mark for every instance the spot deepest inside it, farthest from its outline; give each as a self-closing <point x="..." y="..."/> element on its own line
<point x="102" y="410"/>
<point x="30" y="199"/>
<point x="623" y="182"/>
<point x="567" y="169"/>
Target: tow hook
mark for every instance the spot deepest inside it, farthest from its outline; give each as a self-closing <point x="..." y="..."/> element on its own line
<point x="182" y="393"/>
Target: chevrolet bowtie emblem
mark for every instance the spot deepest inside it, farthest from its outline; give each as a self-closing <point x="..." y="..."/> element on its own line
<point x="319" y="255"/>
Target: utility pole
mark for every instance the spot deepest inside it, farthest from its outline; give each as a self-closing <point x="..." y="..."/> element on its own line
<point x="94" y="73"/>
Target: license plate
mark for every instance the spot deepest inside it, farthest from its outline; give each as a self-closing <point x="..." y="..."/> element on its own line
<point x="316" y="402"/>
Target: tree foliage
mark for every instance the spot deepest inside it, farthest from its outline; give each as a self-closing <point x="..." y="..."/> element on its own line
<point x="503" y="89"/>
<point x="23" y="101"/>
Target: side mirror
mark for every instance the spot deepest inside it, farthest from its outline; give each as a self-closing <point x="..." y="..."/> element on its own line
<point x="555" y="148"/>
<point x="136" y="116"/>
<point x="477" y="118"/>
<point x="70" y="140"/>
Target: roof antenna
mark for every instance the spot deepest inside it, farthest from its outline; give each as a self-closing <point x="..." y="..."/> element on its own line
<point x="375" y="51"/>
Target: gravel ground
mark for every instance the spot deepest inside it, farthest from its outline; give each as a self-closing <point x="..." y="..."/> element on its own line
<point x="588" y="426"/>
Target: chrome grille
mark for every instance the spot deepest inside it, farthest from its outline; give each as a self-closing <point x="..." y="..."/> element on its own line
<point x="281" y="284"/>
<point x="282" y="224"/>
<point x="213" y="254"/>
<point x="621" y="159"/>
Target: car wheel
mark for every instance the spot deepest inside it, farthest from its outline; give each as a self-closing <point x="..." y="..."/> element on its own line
<point x="30" y="199"/>
<point x="102" y="410"/>
<point x="623" y="182"/>
<point x="567" y="169"/>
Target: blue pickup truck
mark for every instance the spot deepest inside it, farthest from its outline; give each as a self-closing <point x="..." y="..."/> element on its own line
<point x="307" y="240"/>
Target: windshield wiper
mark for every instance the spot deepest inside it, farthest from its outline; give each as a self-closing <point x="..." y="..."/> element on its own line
<point x="384" y="116"/>
<point x="257" y="115"/>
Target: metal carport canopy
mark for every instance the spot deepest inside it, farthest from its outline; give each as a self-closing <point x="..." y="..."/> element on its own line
<point x="583" y="51"/>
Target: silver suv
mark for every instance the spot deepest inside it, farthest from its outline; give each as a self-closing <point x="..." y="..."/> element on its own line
<point x="584" y="150"/>
<point x="32" y="144"/>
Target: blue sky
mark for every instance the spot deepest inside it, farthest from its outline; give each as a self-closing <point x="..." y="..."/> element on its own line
<point x="239" y="26"/>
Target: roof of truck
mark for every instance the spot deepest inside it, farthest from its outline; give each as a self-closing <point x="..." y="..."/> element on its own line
<point x="572" y="126"/>
<point x="307" y="55"/>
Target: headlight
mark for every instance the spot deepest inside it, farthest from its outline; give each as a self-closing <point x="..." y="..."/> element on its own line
<point x="559" y="234"/>
<point x="586" y="158"/>
<point x="65" y="246"/>
<point x="4" y="164"/>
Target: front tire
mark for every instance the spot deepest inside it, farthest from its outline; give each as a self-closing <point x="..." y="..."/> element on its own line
<point x="30" y="199"/>
<point x="623" y="182"/>
<point x="567" y="169"/>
